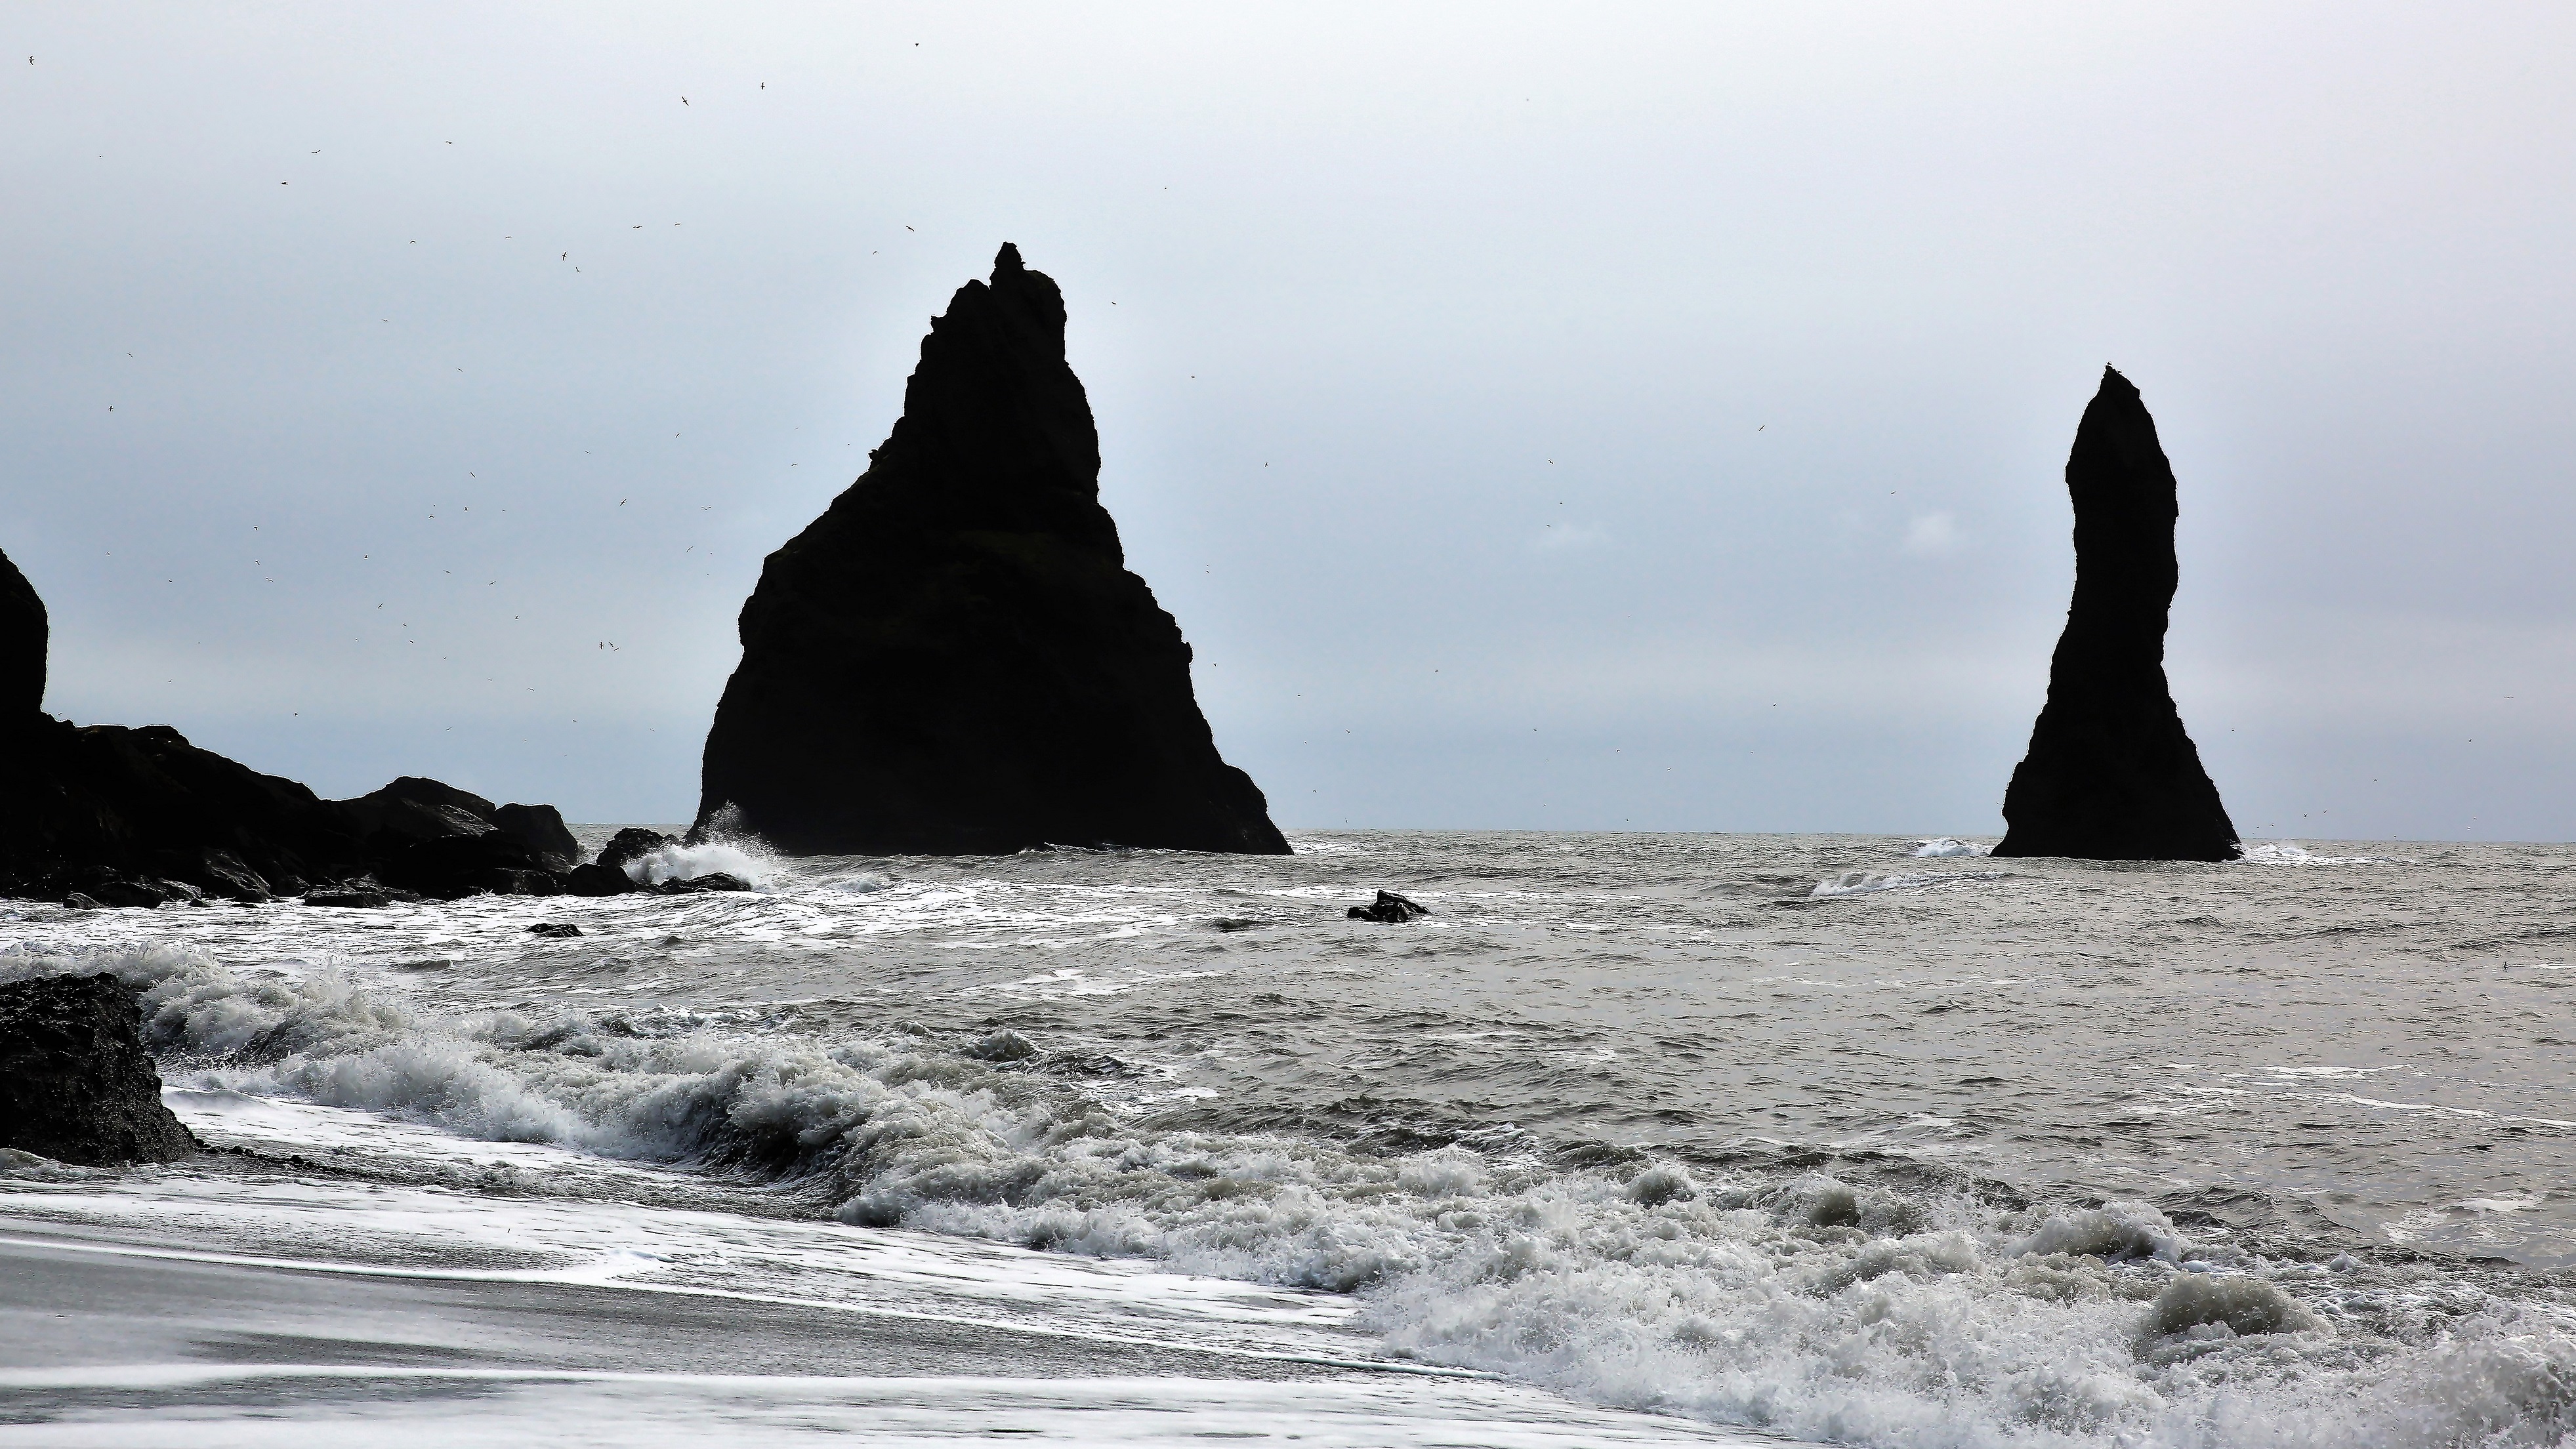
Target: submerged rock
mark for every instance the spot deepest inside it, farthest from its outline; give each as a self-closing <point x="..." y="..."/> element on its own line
<point x="954" y="658"/>
<point x="1387" y="907"/>
<point x="1003" y="1046"/>
<point x="698" y="885"/>
<point x="2111" y="774"/>
<point x="76" y="1084"/>
<point x="555" y="930"/>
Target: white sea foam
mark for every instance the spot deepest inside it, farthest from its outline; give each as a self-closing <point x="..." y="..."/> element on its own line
<point x="2290" y="852"/>
<point x="1948" y="846"/>
<point x="255" y="1407"/>
<point x="739" y="859"/>
<point x="1819" y="1307"/>
<point x="1865" y="882"/>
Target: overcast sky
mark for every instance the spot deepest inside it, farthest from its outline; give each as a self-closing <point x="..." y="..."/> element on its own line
<point x="1555" y="416"/>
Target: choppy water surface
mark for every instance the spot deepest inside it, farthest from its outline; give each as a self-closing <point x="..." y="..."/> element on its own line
<point x="1864" y="1139"/>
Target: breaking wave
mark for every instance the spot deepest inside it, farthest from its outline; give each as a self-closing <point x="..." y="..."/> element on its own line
<point x="2289" y="852"/>
<point x="687" y="862"/>
<point x="1799" y="1301"/>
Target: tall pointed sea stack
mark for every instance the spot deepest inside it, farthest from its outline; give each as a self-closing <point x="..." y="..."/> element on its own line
<point x="2111" y="775"/>
<point x="953" y="659"/>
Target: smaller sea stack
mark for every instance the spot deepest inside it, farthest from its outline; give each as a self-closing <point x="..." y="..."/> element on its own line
<point x="2111" y="774"/>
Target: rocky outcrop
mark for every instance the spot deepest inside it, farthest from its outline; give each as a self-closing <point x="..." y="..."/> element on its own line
<point x="415" y="809"/>
<point x="954" y="659"/>
<point x="86" y="806"/>
<point x="1388" y="907"/>
<point x="75" y="1082"/>
<point x="141" y="817"/>
<point x="22" y="649"/>
<point x="2111" y="774"/>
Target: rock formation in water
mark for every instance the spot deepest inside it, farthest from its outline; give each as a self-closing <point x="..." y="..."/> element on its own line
<point x="954" y="658"/>
<point x="141" y="817"/>
<point x="75" y="1082"/>
<point x="1388" y="907"/>
<point x="2111" y="775"/>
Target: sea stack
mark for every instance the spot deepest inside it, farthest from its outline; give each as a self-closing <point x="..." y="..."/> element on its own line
<point x="954" y="659"/>
<point x="2111" y="775"/>
<point x="22" y="649"/>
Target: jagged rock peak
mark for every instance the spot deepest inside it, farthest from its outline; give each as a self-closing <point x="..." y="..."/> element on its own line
<point x="2111" y="774"/>
<point x="953" y="659"/>
<point x="22" y="647"/>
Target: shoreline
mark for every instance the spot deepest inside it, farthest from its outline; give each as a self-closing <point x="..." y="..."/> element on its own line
<point x="117" y="1342"/>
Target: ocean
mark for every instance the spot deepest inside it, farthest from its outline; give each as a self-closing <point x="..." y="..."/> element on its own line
<point x="1634" y="1139"/>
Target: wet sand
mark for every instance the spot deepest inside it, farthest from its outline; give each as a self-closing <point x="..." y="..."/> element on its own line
<point x="107" y="1342"/>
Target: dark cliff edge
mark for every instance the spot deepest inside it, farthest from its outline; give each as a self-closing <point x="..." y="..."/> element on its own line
<point x="76" y="1084"/>
<point x="22" y="648"/>
<point x="139" y="816"/>
<point x="2111" y="773"/>
<point x="953" y="659"/>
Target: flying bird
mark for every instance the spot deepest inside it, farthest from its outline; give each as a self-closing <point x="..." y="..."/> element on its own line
<point x="684" y="100"/>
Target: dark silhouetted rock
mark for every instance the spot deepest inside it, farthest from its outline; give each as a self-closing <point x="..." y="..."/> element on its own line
<point x="2111" y="775"/>
<point x="126" y="894"/>
<point x="419" y="809"/>
<point x="137" y="817"/>
<point x="554" y="930"/>
<point x="453" y="867"/>
<point x="954" y="658"/>
<point x="542" y="830"/>
<point x="599" y="880"/>
<point x="22" y="649"/>
<point x="632" y="844"/>
<point x="145" y="803"/>
<point x="225" y="874"/>
<point x="75" y="1082"/>
<point x="1387" y="907"/>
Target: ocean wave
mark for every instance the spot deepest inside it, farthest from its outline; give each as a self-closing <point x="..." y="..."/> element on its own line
<point x="1946" y="845"/>
<point x="2290" y="852"/>
<point x="739" y="859"/>
<point x="1807" y="1303"/>
<point x="1865" y="882"/>
<point x="1870" y="882"/>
